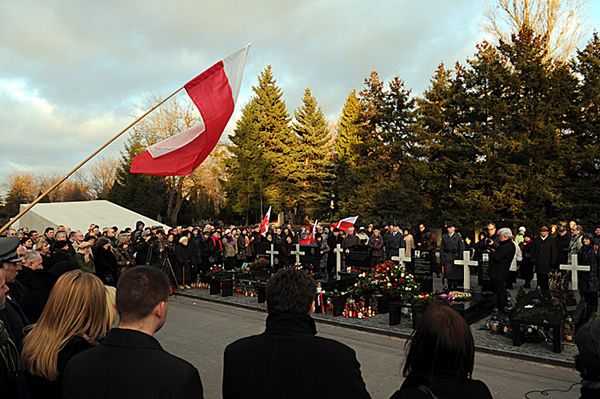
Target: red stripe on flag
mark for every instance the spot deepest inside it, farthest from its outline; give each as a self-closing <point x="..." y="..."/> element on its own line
<point x="211" y="93"/>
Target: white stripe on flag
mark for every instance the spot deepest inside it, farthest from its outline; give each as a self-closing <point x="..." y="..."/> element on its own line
<point x="177" y="141"/>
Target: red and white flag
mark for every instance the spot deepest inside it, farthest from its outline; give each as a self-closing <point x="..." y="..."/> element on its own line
<point x="346" y="223"/>
<point x="310" y="240"/>
<point x="313" y="235"/>
<point x="214" y="92"/>
<point x="264" y="225"/>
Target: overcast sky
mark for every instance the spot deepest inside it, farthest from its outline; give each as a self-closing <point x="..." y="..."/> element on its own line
<point x="73" y="73"/>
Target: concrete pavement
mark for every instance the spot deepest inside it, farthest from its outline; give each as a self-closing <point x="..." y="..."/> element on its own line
<point x="198" y="331"/>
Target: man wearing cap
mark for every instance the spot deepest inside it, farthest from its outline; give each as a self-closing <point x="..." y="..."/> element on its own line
<point x="12" y="382"/>
<point x="544" y="257"/>
<point x="451" y="249"/>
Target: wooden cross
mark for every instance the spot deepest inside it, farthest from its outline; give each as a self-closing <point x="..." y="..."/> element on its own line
<point x="272" y="252"/>
<point x="574" y="267"/>
<point x="465" y="263"/>
<point x="338" y="260"/>
<point x="401" y="258"/>
<point x="297" y="252"/>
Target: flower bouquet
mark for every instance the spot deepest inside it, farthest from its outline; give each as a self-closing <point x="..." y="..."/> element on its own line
<point x="387" y="278"/>
<point x="423" y="299"/>
<point x="215" y="269"/>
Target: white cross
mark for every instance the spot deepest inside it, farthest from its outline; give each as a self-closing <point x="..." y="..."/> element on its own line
<point x="297" y="252"/>
<point x="574" y="267"/>
<point x="272" y="252"/>
<point x="338" y="260"/>
<point x="465" y="263"/>
<point x="401" y="258"/>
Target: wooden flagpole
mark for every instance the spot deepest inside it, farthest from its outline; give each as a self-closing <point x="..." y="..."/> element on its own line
<point x="76" y="168"/>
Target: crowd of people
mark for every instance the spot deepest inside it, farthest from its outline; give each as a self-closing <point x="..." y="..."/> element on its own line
<point x="66" y="331"/>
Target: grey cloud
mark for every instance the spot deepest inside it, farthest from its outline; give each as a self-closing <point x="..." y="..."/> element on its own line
<point x="93" y="59"/>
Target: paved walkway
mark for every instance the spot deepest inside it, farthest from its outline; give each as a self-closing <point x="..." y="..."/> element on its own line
<point x="198" y="331"/>
<point x="484" y="340"/>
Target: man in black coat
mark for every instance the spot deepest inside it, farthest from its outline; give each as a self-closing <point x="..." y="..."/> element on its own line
<point x="276" y="363"/>
<point x="451" y="249"/>
<point x="394" y="241"/>
<point x="130" y="362"/>
<point x="501" y="259"/>
<point x="544" y="257"/>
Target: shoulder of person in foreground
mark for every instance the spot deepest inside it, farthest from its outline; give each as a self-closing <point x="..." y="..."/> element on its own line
<point x="81" y="374"/>
<point x="472" y="389"/>
<point x="346" y="372"/>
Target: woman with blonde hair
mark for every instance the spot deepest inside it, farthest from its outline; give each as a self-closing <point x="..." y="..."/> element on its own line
<point x="75" y="318"/>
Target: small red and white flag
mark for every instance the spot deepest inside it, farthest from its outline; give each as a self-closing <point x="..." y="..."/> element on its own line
<point x="313" y="235"/>
<point x="346" y="223"/>
<point x="312" y="238"/>
<point x="264" y="225"/>
<point x="214" y="92"/>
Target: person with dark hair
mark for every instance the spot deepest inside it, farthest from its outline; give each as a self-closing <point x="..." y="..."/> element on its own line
<point x="376" y="244"/>
<point x="130" y="363"/>
<point x="288" y="345"/>
<point x="587" y="361"/>
<point x="544" y="257"/>
<point x="589" y="282"/>
<point x="105" y="261"/>
<point x="451" y="249"/>
<point x="49" y="235"/>
<point x="440" y="358"/>
<point x="527" y="262"/>
<point x="182" y="263"/>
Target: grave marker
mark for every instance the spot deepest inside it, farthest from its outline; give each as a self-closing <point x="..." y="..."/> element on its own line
<point x="422" y="270"/>
<point x="297" y="252"/>
<point x="272" y="254"/>
<point x="574" y="267"/>
<point x="401" y="258"/>
<point x="465" y="263"/>
<point x="338" y="260"/>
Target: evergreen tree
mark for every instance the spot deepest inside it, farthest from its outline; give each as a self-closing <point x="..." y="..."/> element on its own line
<point x="582" y="146"/>
<point x="346" y="153"/>
<point x="141" y="193"/>
<point x="246" y="168"/>
<point x="279" y="143"/>
<point x="388" y="170"/>
<point x="314" y="153"/>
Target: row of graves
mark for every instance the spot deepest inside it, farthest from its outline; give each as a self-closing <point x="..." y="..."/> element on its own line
<point x="405" y="285"/>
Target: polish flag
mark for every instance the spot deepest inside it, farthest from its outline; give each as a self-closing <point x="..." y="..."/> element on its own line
<point x="264" y="225"/>
<point x="214" y="92"/>
<point x="312" y="238"/>
<point x="345" y="223"/>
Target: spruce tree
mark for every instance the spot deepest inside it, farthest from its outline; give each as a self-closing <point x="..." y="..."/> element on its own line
<point x="279" y="142"/>
<point x="314" y="154"/>
<point x="346" y="154"/>
<point x="582" y="145"/>
<point x="246" y="168"/>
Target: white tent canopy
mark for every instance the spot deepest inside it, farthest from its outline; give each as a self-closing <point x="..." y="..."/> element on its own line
<point x="79" y="215"/>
